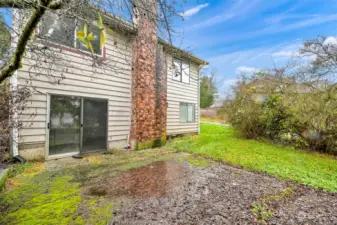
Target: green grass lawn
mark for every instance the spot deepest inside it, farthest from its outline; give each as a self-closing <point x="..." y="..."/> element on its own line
<point x="221" y="143"/>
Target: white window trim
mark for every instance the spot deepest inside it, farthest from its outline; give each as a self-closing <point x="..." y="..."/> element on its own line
<point x="181" y="70"/>
<point x="193" y="115"/>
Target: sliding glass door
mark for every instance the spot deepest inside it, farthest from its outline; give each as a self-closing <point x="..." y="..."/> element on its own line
<point x="94" y="125"/>
<point x="77" y="125"/>
<point x="64" y="125"/>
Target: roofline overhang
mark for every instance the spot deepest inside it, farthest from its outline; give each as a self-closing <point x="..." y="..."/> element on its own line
<point x="121" y="25"/>
<point x="181" y="53"/>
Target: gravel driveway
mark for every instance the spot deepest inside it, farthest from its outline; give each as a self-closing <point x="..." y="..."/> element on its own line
<point x="179" y="193"/>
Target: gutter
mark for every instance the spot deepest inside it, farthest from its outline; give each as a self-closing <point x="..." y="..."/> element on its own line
<point x="14" y="117"/>
<point x="183" y="53"/>
<point x="13" y="87"/>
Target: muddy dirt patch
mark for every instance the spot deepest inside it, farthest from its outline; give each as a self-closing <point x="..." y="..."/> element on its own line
<point x="154" y="180"/>
<point x="227" y="195"/>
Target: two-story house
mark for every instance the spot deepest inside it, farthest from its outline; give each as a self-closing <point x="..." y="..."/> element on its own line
<point x="140" y="90"/>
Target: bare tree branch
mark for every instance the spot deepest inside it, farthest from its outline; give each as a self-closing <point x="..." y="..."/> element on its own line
<point x="19" y="4"/>
<point x="40" y="9"/>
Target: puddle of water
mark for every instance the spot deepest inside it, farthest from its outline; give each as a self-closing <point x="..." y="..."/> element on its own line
<point x="155" y="180"/>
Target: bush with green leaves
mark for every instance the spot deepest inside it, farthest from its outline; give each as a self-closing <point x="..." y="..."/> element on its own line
<point x="297" y="113"/>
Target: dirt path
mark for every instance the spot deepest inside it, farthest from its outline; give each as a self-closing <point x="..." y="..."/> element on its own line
<point x="179" y="193"/>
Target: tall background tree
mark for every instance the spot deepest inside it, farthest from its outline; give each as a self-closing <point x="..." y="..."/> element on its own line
<point x="208" y="90"/>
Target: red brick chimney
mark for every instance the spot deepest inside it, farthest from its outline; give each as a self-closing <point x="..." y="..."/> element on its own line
<point x="149" y="88"/>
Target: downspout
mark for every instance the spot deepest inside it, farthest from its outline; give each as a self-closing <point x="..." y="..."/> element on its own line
<point x="199" y="98"/>
<point x="14" y="117"/>
<point x="13" y="87"/>
<point x="129" y="139"/>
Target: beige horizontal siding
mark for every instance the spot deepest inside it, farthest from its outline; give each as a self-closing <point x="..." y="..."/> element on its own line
<point x="79" y="67"/>
<point x="111" y="80"/>
<point x="97" y="79"/>
<point x="181" y="92"/>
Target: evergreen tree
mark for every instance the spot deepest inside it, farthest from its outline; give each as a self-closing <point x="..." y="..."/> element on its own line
<point x="207" y="90"/>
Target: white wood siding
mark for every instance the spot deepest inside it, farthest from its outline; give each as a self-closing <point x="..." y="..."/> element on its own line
<point x="181" y="92"/>
<point x="112" y="82"/>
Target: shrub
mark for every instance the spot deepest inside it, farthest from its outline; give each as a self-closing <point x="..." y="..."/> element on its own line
<point x="244" y="115"/>
<point x="293" y="114"/>
<point x="7" y="99"/>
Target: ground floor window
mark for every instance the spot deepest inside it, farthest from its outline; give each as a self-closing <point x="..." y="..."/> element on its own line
<point x="187" y="112"/>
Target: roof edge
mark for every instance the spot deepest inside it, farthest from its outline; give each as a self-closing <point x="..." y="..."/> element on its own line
<point x="124" y="26"/>
<point x="183" y="53"/>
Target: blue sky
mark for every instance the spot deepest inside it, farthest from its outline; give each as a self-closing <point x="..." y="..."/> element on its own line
<point x="246" y="35"/>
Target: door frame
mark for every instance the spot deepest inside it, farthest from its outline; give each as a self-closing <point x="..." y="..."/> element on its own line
<point x="47" y="156"/>
<point x="47" y="127"/>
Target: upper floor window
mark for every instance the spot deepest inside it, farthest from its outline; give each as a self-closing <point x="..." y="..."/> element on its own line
<point x="181" y="71"/>
<point x="62" y="30"/>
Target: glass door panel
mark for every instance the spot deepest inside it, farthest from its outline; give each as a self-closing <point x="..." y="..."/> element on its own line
<point x="64" y="124"/>
<point x="94" y="125"/>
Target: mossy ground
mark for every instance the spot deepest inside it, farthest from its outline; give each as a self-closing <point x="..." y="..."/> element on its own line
<point x="152" y="143"/>
<point x="53" y="192"/>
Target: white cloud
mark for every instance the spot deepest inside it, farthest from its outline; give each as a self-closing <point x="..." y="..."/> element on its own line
<point x="288" y="54"/>
<point x="330" y="41"/>
<point x="271" y="30"/>
<point x="276" y="19"/>
<point x="193" y="11"/>
<point x="240" y="8"/>
<point x="250" y="56"/>
<point x="316" y="20"/>
<point x="230" y="82"/>
<point x="246" y="70"/>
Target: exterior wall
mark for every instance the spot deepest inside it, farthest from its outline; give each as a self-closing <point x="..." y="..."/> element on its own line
<point x="182" y="92"/>
<point x="111" y="82"/>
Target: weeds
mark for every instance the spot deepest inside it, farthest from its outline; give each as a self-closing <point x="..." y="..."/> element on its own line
<point x="262" y="211"/>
